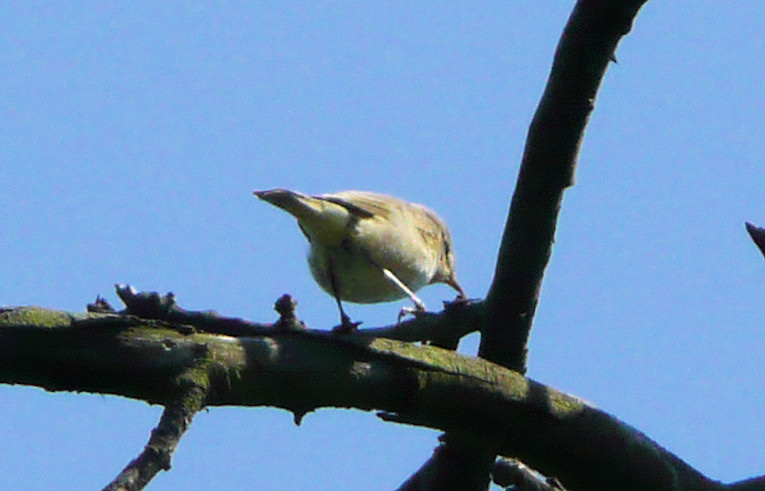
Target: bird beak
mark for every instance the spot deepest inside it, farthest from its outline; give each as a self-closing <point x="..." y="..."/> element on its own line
<point x="452" y="282"/>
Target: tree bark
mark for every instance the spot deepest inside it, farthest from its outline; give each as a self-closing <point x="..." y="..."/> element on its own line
<point x="302" y="370"/>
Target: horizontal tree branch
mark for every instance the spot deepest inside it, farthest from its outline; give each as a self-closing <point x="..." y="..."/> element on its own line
<point x="302" y="371"/>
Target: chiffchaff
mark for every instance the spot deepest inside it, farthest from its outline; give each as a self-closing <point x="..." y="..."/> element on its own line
<point x="369" y="247"/>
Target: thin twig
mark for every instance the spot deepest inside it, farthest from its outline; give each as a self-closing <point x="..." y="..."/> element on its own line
<point x="509" y="472"/>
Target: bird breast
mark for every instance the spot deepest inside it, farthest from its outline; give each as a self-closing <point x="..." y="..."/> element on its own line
<point x="356" y="265"/>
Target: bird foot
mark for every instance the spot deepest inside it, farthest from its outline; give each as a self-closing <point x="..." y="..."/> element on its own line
<point x="458" y="300"/>
<point x="418" y="309"/>
<point x="347" y="326"/>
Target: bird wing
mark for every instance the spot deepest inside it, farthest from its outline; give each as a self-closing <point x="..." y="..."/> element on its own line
<point x="366" y="204"/>
<point x="361" y="204"/>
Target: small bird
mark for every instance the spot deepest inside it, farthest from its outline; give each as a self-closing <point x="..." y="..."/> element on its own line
<point x="369" y="247"/>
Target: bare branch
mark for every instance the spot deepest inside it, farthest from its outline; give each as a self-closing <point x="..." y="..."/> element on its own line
<point x="758" y="236"/>
<point x="585" y="50"/>
<point x="450" y="469"/>
<point x="587" y="46"/>
<point x="175" y="420"/>
<point x="469" y="398"/>
<point x="443" y="329"/>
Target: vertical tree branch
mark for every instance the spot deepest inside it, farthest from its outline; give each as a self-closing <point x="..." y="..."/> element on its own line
<point x="585" y="49"/>
<point x="547" y="169"/>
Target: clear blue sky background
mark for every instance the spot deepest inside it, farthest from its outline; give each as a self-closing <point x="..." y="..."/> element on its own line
<point x="132" y="137"/>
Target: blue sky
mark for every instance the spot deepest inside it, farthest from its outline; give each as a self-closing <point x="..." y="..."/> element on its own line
<point x="132" y="137"/>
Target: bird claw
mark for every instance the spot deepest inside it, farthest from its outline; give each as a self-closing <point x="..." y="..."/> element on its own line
<point x="418" y="309"/>
<point x="346" y="326"/>
<point x="458" y="300"/>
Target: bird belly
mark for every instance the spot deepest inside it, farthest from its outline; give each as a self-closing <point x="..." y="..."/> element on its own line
<point x="360" y="280"/>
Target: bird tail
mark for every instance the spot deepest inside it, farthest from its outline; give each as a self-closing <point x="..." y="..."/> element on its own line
<point x="319" y="218"/>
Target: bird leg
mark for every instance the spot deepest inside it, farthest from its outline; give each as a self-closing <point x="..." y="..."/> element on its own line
<point x="347" y="326"/>
<point x="419" y="306"/>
